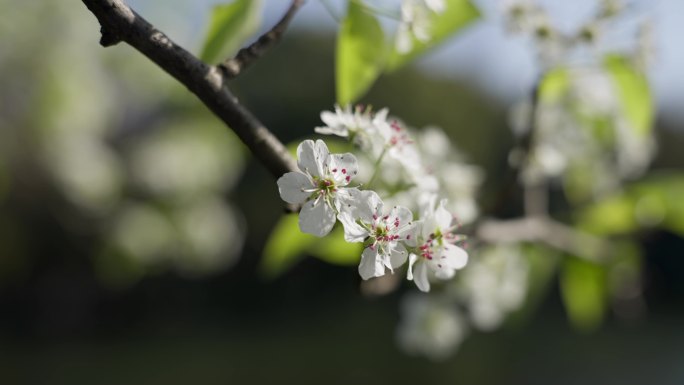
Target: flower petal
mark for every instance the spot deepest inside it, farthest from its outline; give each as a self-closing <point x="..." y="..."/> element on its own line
<point x="316" y="218"/>
<point x="360" y="204"/>
<point x="398" y="256"/>
<point x="292" y="186"/>
<point x="353" y="232"/>
<point x="443" y="271"/>
<point x="343" y="168"/>
<point x="412" y="260"/>
<point x="401" y="213"/>
<point x="443" y="217"/>
<point x="371" y="265"/>
<point x="409" y="233"/>
<point x="312" y="157"/>
<point x="421" y="276"/>
<point x="456" y="257"/>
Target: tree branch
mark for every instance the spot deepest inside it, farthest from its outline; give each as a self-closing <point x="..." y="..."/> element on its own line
<point x="248" y="55"/>
<point x="544" y="230"/>
<point x="120" y="23"/>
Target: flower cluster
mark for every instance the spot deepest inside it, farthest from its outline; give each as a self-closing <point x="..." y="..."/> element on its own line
<point x="390" y="233"/>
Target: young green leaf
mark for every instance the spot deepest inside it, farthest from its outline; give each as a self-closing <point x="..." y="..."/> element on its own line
<point x="360" y="53"/>
<point x="285" y="246"/>
<point x="335" y="250"/>
<point x="635" y="94"/>
<point x="457" y="15"/>
<point x="230" y="25"/>
<point x="584" y="291"/>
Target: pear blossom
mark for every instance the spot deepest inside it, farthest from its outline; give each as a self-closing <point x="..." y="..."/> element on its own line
<point x="437" y="253"/>
<point x="359" y="125"/>
<point x="320" y="185"/>
<point x="384" y="233"/>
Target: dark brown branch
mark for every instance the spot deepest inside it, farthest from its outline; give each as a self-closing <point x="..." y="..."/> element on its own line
<point x="248" y="55"/>
<point x="120" y="23"/>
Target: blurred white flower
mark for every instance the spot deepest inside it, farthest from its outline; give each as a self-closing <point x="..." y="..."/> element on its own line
<point x="416" y="22"/>
<point x="494" y="284"/>
<point x="430" y="326"/>
<point x="453" y="179"/>
<point x="210" y="233"/>
<point x="182" y="162"/>
<point x="88" y="172"/>
<point x="143" y="233"/>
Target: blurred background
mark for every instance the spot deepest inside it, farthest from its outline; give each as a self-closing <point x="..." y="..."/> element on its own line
<point x="132" y="222"/>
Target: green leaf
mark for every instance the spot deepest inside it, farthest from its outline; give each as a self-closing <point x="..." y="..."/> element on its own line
<point x="614" y="215"/>
<point x="554" y="85"/>
<point x="583" y="290"/>
<point x="360" y="53"/>
<point x="457" y="15"/>
<point x="335" y="250"/>
<point x="230" y="25"/>
<point x="654" y="202"/>
<point x="285" y="246"/>
<point x="635" y="94"/>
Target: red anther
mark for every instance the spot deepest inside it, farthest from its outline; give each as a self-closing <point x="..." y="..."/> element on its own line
<point x="334" y="170"/>
<point x="344" y="171"/>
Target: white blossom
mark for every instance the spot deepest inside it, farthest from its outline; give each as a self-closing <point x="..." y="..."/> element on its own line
<point x="430" y="326"/>
<point x="437" y="253"/>
<point x="494" y="285"/>
<point x="385" y="233"/>
<point x="416" y="22"/>
<point x="359" y="125"/>
<point x="320" y="185"/>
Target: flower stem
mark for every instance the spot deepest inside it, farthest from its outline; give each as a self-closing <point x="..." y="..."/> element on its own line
<point x="376" y="167"/>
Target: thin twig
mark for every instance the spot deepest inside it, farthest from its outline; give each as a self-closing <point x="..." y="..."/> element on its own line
<point x="248" y="55"/>
<point x="119" y="22"/>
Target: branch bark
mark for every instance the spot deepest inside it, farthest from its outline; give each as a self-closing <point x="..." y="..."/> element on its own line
<point x="248" y="55"/>
<point x="544" y="230"/>
<point x="119" y="23"/>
